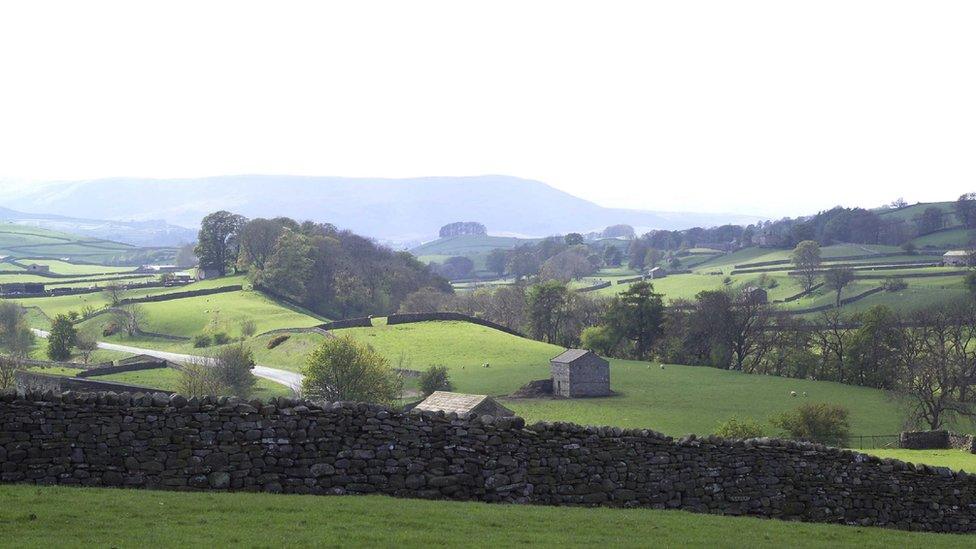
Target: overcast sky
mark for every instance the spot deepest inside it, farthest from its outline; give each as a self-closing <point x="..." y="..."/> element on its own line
<point x="769" y="108"/>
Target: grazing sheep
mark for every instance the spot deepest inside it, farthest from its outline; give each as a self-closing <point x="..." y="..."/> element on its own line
<point x="662" y="366"/>
<point x="804" y="393"/>
<point x="792" y="393"/>
<point x="487" y="365"/>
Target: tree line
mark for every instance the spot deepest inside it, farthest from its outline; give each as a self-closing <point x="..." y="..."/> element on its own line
<point x="333" y="272"/>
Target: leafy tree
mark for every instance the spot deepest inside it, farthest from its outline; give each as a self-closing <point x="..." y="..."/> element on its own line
<point x="219" y="240"/>
<point x="874" y="349"/>
<point x="838" y="278"/>
<point x="114" y="292"/>
<point x="259" y="238"/>
<point x="457" y="267"/>
<point x="9" y="366"/>
<point x="496" y="261"/>
<point x="433" y="379"/>
<point x="186" y="257"/>
<point x="601" y="339"/>
<point x="545" y="304"/>
<point x="522" y="263"/>
<point x="574" y="239"/>
<point x="637" y="314"/>
<point x="966" y="210"/>
<point x="232" y="366"/>
<point x="619" y="231"/>
<point x="62" y="338"/>
<point x="612" y="256"/>
<point x="571" y="264"/>
<point x="740" y="429"/>
<point x="806" y="259"/>
<point x="971" y="283"/>
<point x="931" y="220"/>
<point x="816" y="422"/>
<point x="15" y="333"/>
<point x="343" y="369"/>
<point x="289" y="266"/>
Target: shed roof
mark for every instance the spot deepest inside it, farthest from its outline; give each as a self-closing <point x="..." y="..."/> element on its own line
<point x="570" y="355"/>
<point x="956" y="253"/>
<point x="458" y="403"/>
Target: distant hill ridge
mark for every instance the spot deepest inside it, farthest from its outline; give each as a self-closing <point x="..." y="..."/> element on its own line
<point x="389" y="209"/>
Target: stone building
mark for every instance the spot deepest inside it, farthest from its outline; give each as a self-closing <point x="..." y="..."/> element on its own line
<point x="460" y="403"/>
<point x="35" y="268"/>
<point x="956" y="258"/>
<point x="580" y="373"/>
<point x="755" y="294"/>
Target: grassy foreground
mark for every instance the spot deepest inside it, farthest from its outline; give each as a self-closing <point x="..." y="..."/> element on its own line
<point x="68" y="517"/>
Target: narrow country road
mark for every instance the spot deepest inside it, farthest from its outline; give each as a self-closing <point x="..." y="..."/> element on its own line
<point x="284" y="377"/>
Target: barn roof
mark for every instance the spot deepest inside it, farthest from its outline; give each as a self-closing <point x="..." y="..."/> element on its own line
<point x="570" y="355"/>
<point x="460" y="403"/>
<point x="956" y="253"/>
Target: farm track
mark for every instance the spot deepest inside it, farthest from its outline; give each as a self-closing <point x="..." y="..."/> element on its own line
<point x="283" y="377"/>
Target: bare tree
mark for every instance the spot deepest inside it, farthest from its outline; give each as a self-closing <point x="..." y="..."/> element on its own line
<point x="9" y="366"/>
<point x="114" y="293"/>
<point x="86" y="345"/>
<point x="837" y="279"/>
<point x="939" y="365"/>
<point x="130" y="317"/>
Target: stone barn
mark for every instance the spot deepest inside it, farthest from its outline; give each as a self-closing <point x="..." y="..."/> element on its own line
<point x="754" y="294"/>
<point x="461" y="404"/>
<point x="35" y="268"/>
<point x="956" y="258"/>
<point x="580" y="373"/>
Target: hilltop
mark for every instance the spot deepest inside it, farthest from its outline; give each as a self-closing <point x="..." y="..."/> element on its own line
<point x="388" y="209"/>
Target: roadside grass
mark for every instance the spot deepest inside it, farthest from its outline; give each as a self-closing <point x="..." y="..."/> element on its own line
<point x="34" y="516"/>
<point x="168" y="379"/>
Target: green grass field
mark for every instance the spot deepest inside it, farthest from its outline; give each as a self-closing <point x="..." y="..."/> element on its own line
<point x="62" y="267"/>
<point x="676" y="400"/>
<point x="34" y="516"/>
<point x="957" y="460"/>
<point x="952" y="238"/>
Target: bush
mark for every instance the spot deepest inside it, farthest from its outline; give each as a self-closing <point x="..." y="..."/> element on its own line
<point x="248" y="328"/>
<point x="818" y="422"/>
<point x="221" y="338"/>
<point x="198" y="380"/>
<point x="894" y="284"/>
<point x="202" y="340"/>
<point x="228" y="372"/>
<point x="110" y="330"/>
<point x="433" y="379"/>
<point x="62" y="339"/>
<point x="278" y="340"/>
<point x="738" y="430"/>
<point x="343" y="369"/>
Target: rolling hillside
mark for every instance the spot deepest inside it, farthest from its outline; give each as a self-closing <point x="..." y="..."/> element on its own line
<point x="389" y="209"/>
<point x="21" y="241"/>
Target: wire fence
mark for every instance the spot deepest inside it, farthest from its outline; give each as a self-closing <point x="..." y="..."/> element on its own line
<point x="872" y="442"/>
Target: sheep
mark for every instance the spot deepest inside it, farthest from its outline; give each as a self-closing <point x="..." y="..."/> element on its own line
<point x="793" y="394"/>
<point x="662" y="366"/>
<point x="804" y="393"/>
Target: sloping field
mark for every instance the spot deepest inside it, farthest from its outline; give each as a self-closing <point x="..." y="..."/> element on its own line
<point x="675" y="400"/>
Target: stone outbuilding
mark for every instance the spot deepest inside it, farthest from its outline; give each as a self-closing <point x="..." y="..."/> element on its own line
<point x="956" y="258"/>
<point x="580" y="373"/>
<point x="461" y="404"/>
<point x="36" y="268"/>
<point x="755" y="294"/>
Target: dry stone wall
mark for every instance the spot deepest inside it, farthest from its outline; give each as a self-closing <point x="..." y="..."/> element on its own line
<point x="285" y="445"/>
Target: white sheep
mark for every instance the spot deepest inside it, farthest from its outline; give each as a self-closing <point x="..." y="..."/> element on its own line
<point x="793" y="393"/>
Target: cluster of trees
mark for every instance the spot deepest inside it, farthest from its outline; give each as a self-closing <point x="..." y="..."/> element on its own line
<point x="854" y="225"/>
<point x="462" y="228"/>
<point x="333" y="272"/>
<point x="555" y="258"/>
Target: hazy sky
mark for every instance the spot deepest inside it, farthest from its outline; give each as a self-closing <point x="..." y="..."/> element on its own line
<point x="769" y="108"/>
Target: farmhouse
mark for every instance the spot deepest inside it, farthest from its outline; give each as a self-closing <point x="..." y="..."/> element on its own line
<point x="956" y="258"/>
<point x="461" y="404"/>
<point x="580" y="373"/>
<point x="35" y="268"/>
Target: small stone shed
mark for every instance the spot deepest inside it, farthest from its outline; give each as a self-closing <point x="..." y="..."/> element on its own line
<point x="580" y="373"/>
<point x="755" y="294"/>
<point x="35" y="268"/>
<point x="460" y="403"/>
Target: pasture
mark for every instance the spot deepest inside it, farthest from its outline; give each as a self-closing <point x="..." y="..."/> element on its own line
<point x="675" y="400"/>
<point x="35" y="516"/>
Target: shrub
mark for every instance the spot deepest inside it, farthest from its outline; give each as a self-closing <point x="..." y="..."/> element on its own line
<point x="344" y="369"/>
<point x="433" y="379"/>
<point x="202" y="340"/>
<point x="221" y="338"/>
<point x="248" y="327"/>
<point x="198" y="379"/>
<point x="278" y="340"/>
<point x="110" y="330"/>
<point x="893" y="284"/>
<point x="735" y="429"/>
<point x="816" y="422"/>
<point x="62" y="338"/>
<point x="233" y="366"/>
